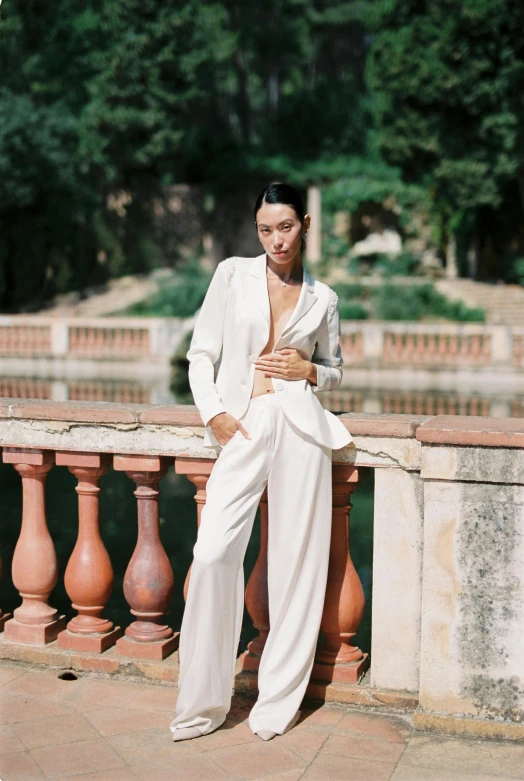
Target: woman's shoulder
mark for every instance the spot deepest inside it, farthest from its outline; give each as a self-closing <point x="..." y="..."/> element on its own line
<point x="326" y="293"/>
<point x="228" y="267"/>
<point x="232" y="265"/>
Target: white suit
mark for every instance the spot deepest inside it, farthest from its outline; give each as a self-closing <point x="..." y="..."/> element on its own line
<point x="235" y="320"/>
<point x="290" y="452"/>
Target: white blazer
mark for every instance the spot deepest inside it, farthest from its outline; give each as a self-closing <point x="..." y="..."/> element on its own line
<point x="231" y="330"/>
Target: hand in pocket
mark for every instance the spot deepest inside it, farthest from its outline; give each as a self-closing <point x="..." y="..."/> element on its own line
<point x="224" y="427"/>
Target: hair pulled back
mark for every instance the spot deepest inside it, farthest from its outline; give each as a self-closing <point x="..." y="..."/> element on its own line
<point x="278" y="192"/>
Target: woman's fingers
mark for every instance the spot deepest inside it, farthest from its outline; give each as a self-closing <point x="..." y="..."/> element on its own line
<point x="276" y="364"/>
<point x="243" y="430"/>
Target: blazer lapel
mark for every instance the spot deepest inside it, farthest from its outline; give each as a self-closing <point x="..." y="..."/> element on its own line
<point x="258" y="270"/>
<point x="305" y="301"/>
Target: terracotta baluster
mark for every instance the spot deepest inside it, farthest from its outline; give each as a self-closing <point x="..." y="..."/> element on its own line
<point x="148" y="581"/>
<point x="35" y="570"/>
<point x="337" y="659"/>
<point x="257" y="600"/>
<point x="197" y="470"/>
<point x="89" y="574"/>
<point x="3" y="616"/>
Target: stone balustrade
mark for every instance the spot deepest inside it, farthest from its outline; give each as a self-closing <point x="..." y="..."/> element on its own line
<point x="149" y="343"/>
<point x="448" y="560"/>
<point x="455" y="346"/>
<point x="90" y="346"/>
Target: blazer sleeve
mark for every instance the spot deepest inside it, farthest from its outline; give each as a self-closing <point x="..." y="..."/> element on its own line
<point x="327" y="354"/>
<point x="206" y="346"/>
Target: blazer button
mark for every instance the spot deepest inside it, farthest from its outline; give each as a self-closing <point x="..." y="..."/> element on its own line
<point x="280" y="386"/>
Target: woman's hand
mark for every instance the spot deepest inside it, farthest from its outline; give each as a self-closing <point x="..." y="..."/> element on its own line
<point x="224" y="426"/>
<point x="286" y="364"/>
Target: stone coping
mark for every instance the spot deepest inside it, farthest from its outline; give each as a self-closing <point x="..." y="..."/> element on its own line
<point x="359" y="424"/>
<point x="441" y="429"/>
<point x="472" y="431"/>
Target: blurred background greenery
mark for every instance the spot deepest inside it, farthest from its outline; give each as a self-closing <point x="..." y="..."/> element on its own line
<point x="135" y="135"/>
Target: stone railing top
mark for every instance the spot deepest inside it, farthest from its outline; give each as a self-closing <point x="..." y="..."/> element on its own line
<point x="359" y="424"/>
<point x="382" y="425"/>
<point x="473" y="431"/>
<point x="441" y="429"/>
<point x="99" y="412"/>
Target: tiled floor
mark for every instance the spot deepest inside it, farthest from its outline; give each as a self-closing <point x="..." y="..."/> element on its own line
<point x="97" y="729"/>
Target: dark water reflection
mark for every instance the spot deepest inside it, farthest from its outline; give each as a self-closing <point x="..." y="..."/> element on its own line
<point x="178" y="531"/>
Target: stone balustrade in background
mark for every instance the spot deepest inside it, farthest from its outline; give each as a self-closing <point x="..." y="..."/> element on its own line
<point x="448" y="562"/>
<point x="149" y="343"/>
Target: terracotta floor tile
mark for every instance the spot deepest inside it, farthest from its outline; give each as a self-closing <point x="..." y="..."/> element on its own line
<point x="467" y="756"/>
<point x="388" y="728"/>
<point x="37" y="684"/>
<point x="118" y="774"/>
<point x="254" y="760"/>
<point x="331" y="768"/>
<point x="10" y="673"/>
<point x="407" y="773"/>
<point x="19" y="767"/>
<point x="150" y="746"/>
<point x="363" y="748"/>
<point x="116" y="721"/>
<point x="95" y="694"/>
<point x="304" y="743"/>
<point x="240" y="710"/>
<point x="291" y="775"/>
<point x="325" y="718"/>
<point x="229" y="734"/>
<point x="9" y="741"/>
<point x="186" y="767"/>
<point x="156" y="698"/>
<point x="73" y="759"/>
<point x="19" y="708"/>
<point x="55" y="730"/>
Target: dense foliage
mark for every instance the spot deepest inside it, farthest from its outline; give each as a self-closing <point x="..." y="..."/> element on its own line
<point x="446" y="80"/>
<point x="101" y="97"/>
<point x="105" y="102"/>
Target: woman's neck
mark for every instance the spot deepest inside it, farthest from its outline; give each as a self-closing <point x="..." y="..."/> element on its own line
<point x="293" y="270"/>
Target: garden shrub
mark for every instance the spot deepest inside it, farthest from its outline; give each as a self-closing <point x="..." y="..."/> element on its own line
<point x="415" y="302"/>
<point x="180" y="296"/>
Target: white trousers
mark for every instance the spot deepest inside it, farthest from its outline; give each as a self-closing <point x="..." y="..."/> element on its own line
<point x="297" y="472"/>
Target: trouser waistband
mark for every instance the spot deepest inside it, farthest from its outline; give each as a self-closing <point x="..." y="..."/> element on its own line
<point x="262" y="396"/>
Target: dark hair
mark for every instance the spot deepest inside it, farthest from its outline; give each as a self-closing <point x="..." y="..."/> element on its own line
<point x="277" y="192"/>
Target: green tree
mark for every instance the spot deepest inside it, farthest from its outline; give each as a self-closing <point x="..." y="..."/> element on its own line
<point x="104" y="96"/>
<point x="445" y="79"/>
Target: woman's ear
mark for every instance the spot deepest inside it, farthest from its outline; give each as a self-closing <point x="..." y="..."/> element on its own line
<point x="306" y="223"/>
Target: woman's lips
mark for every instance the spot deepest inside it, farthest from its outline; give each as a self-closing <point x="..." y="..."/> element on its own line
<point x="280" y="253"/>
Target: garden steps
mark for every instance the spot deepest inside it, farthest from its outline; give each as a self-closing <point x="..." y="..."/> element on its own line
<point x="503" y="304"/>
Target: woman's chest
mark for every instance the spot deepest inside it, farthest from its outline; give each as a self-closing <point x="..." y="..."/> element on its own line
<point x="291" y="320"/>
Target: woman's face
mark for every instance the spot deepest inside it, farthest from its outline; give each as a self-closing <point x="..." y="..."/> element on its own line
<point x="280" y="231"/>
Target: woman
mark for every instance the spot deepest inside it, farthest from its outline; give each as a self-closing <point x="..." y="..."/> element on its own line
<point x="273" y="332"/>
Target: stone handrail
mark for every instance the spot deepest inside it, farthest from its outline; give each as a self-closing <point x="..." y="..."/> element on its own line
<point x="153" y="341"/>
<point x="448" y="562"/>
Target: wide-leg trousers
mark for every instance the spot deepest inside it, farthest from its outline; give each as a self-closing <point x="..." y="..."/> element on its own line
<point x="297" y="472"/>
